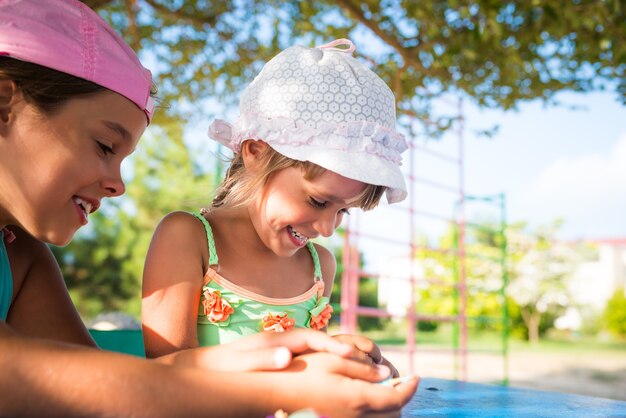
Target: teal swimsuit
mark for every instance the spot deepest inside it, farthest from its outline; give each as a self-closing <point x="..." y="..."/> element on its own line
<point x="6" y="280"/>
<point x="228" y="312"/>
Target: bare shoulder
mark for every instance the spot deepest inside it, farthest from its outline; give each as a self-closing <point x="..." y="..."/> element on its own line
<point x="179" y="236"/>
<point x="181" y="228"/>
<point x="180" y="222"/>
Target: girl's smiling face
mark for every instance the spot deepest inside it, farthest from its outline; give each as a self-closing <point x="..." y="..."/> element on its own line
<point x="290" y="210"/>
<point x="57" y="168"/>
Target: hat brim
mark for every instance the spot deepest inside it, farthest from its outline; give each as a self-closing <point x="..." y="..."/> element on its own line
<point x="363" y="167"/>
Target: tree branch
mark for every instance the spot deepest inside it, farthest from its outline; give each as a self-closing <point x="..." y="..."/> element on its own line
<point x="96" y="4"/>
<point x="388" y="38"/>
<point x="179" y="14"/>
<point x="132" y="25"/>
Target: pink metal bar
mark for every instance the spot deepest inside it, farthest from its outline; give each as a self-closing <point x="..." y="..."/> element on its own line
<point x="436" y="154"/>
<point x="345" y="283"/>
<point x="377" y="312"/>
<point x="434" y="184"/>
<point x="412" y="304"/>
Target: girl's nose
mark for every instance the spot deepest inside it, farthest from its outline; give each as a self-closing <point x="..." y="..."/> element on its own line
<point x="327" y="224"/>
<point x="114" y="185"/>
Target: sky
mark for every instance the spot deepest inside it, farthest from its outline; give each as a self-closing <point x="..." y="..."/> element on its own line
<point x="556" y="162"/>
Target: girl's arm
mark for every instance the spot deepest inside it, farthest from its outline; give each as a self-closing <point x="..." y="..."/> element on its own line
<point x="172" y="280"/>
<point x="41" y="305"/>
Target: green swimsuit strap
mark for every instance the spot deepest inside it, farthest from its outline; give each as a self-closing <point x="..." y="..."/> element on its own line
<point x="209" y="238"/>
<point x="317" y="275"/>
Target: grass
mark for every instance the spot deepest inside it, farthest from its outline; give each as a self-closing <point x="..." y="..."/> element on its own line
<point x="443" y="337"/>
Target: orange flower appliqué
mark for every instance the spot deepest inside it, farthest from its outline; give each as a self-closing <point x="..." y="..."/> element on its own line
<point x="277" y="323"/>
<point x="216" y="309"/>
<point x="320" y="320"/>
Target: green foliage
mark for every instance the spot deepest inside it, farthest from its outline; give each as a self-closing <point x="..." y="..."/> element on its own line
<point x="427" y="326"/>
<point x="497" y="53"/>
<point x="615" y="313"/>
<point x="440" y="296"/>
<point x="103" y="265"/>
<point x="537" y="269"/>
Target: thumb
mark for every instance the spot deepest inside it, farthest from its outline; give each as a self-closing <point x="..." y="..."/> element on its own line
<point x="271" y="358"/>
<point x="274" y="358"/>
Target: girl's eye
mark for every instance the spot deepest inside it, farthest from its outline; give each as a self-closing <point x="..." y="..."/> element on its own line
<point x="317" y="203"/>
<point x="105" y="148"/>
<point x="345" y="211"/>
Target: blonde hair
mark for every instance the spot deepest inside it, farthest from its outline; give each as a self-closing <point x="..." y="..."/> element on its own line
<point x="239" y="187"/>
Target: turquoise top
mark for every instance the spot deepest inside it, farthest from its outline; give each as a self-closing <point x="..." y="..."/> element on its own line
<point x="6" y="280"/>
<point x="228" y="312"/>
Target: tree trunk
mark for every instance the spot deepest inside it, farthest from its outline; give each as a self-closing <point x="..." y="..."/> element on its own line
<point x="533" y="328"/>
<point x="531" y="319"/>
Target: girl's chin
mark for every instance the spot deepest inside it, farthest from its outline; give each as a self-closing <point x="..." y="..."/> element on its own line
<point x="60" y="239"/>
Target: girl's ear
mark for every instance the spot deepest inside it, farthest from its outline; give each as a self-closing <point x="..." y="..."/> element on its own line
<point x="8" y="91"/>
<point x="8" y="98"/>
<point x="252" y="152"/>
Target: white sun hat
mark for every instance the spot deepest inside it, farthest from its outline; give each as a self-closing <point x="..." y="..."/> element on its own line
<point x="322" y="105"/>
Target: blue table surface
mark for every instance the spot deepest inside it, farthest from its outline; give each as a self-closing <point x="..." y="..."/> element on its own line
<point x="450" y="398"/>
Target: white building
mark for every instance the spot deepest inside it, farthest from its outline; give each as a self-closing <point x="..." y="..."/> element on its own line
<point x="394" y="288"/>
<point x="595" y="281"/>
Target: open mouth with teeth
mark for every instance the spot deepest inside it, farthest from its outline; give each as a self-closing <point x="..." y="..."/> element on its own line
<point x="299" y="237"/>
<point x="85" y="206"/>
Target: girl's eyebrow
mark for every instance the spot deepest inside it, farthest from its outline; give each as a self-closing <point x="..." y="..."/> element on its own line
<point x="327" y="196"/>
<point x="335" y="199"/>
<point x="118" y="129"/>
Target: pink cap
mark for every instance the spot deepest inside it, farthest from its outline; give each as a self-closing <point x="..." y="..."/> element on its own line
<point x="67" y="36"/>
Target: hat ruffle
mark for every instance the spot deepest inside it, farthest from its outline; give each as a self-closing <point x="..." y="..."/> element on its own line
<point x="359" y="136"/>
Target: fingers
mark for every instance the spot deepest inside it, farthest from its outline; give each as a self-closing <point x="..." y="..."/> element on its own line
<point x="273" y="358"/>
<point x="394" y="371"/>
<point x="383" y="398"/>
<point x="407" y="389"/>
<point x="221" y="358"/>
<point x="296" y="340"/>
<point x="359" y="355"/>
<point x="390" y="414"/>
<point x="362" y="344"/>
<point x="350" y="368"/>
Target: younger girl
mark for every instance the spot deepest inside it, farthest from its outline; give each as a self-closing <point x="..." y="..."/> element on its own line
<point x="315" y="137"/>
<point x="74" y="101"/>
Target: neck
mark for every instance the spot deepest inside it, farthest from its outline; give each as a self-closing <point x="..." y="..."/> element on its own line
<point x="239" y="225"/>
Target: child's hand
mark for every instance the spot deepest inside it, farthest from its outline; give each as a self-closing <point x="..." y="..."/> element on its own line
<point x="264" y="351"/>
<point x="341" y="387"/>
<point x="365" y="350"/>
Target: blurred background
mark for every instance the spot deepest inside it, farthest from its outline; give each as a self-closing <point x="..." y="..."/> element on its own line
<point x="506" y="264"/>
